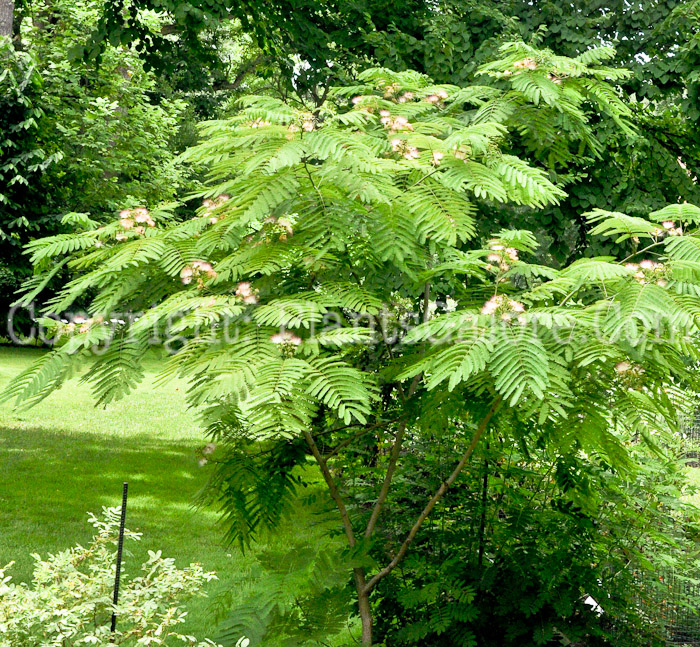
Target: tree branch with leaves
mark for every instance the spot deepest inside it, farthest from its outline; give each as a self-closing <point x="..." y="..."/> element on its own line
<point x="371" y="301"/>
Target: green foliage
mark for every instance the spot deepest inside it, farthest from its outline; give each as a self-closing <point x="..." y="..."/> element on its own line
<point x="77" y="139"/>
<point x="322" y="238"/>
<point x="449" y="40"/>
<point x="327" y="232"/>
<point x="556" y="530"/>
<point x="414" y="167"/>
<point x="21" y="154"/>
<point x="113" y="137"/>
<point x="296" y="597"/>
<point x="254" y="487"/>
<point x="634" y="174"/>
<point x="328" y="38"/>
<point x="22" y="160"/>
<point x="69" y="600"/>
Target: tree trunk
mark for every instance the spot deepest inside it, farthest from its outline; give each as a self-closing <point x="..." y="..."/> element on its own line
<point x="364" y="608"/>
<point x="7" y="14"/>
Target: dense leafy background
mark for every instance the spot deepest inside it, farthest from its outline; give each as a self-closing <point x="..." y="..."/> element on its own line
<point x="331" y="212"/>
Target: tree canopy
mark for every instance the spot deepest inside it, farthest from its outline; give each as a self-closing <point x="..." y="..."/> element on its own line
<point x="430" y="269"/>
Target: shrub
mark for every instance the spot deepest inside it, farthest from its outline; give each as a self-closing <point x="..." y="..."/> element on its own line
<point x="69" y="602"/>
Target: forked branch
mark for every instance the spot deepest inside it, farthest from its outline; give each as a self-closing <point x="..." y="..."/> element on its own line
<point x="435" y="498"/>
<point x="398" y="440"/>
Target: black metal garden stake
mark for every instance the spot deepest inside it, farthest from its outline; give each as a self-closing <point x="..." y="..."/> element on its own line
<point x="120" y="546"/>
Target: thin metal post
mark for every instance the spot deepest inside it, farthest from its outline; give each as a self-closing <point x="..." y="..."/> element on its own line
<point x="120" y="546"/>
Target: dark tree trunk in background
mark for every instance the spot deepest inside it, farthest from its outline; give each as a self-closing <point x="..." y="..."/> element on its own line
<point x="7" y="13"/>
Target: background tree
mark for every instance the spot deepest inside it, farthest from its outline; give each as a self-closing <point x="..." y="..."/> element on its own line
<point x="7" y="14"/>
<point x="311" y="42"/>
<point x="631" y="173"/>
<point x="525" y="536"/>
<point x="449" y="41"/>
<point x="78" y="138"/>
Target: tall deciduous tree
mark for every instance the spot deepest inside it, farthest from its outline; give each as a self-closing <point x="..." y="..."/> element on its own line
<point x="310" y="41"/>
<point x="76" y="138"/>
<point x="321" y="232"/>
<point x="449" y="40"/>
<point x="7" y="15"/>
<point x="654" y="40"/>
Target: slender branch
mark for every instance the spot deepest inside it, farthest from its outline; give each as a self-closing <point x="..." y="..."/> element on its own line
<point x="425" y="177"/>
<point x="320" y="99"/>
<point x="348" y="441"/>
<point x="325" y="432"/>
<point x="426" y="302"/>
<point x="484" y="498"/>
<point x="391" y="468"/>
<point x="435" y="498"/>
<point x="355" y="436"/>
<point x="641" y="251"/>
<point x="332" y="487"/>
<point x="358" y="572"/>
<point x="313" y="184"/>
<point x="247" y="68"/>
<point x="624" y="537"/>
<point x="398" y="441"/>
<point x="381" y="423"/>
<point x="393" y="461"/>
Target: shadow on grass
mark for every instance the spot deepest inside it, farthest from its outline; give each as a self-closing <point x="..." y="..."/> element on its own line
<point x="62" y="472"/>
<point x="49" y="480"/>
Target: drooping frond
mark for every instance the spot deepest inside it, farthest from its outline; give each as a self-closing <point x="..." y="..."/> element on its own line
<point x="596" y="55"/>
<point x="440" y="214"/>
<point x="519" y="365"/>
<point x="347" y="295"/>
<point x="680" y="213"/>
<point x="612" y="223"/>
<point x="290" y="313"/>
<point x="459" y="362"/>
<point x="600" y="271"/>
<point x="275" y="407"/>
<point x="531" y="185"/>
<point x="340" y="387"/>
<point x="117" y="371"/>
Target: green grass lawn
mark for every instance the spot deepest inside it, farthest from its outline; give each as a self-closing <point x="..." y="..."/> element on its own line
<point x="64" y="458"/>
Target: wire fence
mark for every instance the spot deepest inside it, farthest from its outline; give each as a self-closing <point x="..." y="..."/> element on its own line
<point x="671" y="599"/>
<point x="690" y="441"/>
